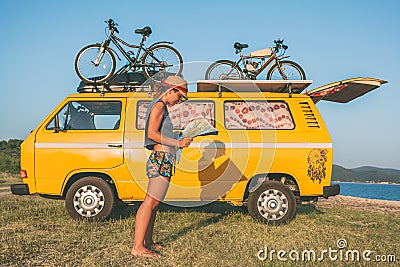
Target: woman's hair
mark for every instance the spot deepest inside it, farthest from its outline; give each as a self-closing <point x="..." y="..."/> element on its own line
<point x="160" y="89"/>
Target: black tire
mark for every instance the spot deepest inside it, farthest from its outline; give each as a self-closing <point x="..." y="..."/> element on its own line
<point x="90" y="198"/>
<point x="87" y="71"/>
<point x="291" y="69"/>
<point x="272" y="203"/>
<point x="223" y="70"/>
<point x="162" y="58"/>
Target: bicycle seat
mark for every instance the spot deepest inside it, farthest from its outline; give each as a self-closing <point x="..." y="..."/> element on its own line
<point x="240" y="46"/>
<point x="146" y="31"/>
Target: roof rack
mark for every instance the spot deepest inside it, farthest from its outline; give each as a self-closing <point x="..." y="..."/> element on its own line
<point x="102" y="88"/>
<point x="136" y="82"/>
<point x="277" y="86"/>
<point x="125" y="82"/>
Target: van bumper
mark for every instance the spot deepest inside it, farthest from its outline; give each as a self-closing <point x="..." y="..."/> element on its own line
<point x="19" y="189"/>
<point x="331" y="190"/>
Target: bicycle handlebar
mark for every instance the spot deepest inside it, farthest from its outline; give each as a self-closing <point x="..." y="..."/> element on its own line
<point x="278" y="45"/>
<point x="112" y="25"/>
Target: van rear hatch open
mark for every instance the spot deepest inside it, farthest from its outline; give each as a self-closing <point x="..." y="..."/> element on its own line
<point x="342" y="91"/>
<point x="345" y="90"/>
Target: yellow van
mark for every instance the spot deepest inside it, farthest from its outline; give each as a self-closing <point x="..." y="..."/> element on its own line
<point x="272" y="149"/>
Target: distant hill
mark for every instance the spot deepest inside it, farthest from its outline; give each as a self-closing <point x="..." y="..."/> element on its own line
<point x="365" y="174"/>
<point x="369" y="168"/>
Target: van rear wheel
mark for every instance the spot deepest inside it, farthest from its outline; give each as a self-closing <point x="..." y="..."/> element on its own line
<point x="90" y="198"/>
<point x="272" y="203"/>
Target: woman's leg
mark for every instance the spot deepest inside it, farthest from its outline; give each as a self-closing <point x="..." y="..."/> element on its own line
<point x="157" y="190"/>
<point x="145" y="216"/>
<point x="148" y="237"/>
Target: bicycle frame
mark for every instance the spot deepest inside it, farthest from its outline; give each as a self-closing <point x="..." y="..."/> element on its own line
<point x="133" y="62"/>
<point x="259" y="70"/>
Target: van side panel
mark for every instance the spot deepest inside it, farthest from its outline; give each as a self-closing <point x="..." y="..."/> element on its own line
<point x="304" y="152"/>
<point x="213" y="167"/>
<point x="134" y="185"/>
<point x="59" y="153"/>
<point x="316" y="156"/>
<point x="127" y="189"/>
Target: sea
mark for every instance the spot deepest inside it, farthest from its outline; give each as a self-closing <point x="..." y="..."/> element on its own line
<point x="373" y="191"/>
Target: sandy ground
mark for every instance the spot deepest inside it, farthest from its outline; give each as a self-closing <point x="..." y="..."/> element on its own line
<point x="5" y="190"/>
<point x="380" y="206"/>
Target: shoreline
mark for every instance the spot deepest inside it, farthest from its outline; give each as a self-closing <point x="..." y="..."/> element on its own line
<point x="391" y="207"/>
<point x="360" y="182"/>
<point x="393" y="200"/>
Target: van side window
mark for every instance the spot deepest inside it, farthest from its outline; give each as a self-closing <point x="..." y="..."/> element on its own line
<point x="181" y="114"/>
<point x="87" y="115"/>
<point x="258" y="114"/>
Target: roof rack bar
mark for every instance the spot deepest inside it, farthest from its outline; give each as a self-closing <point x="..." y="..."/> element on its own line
<point x="277" y="86"/>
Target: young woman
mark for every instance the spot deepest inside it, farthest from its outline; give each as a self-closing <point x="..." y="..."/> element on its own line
<point x="159" y="137"/>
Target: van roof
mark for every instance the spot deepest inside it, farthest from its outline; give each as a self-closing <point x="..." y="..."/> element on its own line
<point x="191" y="95"/>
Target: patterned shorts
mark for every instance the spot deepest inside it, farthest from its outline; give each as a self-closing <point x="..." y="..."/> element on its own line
<point x="160" y="163"/>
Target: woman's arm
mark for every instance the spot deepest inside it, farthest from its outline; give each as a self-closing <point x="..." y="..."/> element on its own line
<point x="155" y="119"/>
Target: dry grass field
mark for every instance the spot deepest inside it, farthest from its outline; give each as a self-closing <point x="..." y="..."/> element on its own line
<point x="38" y="232"/>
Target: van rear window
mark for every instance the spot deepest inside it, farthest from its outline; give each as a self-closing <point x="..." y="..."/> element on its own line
<point x="181" y="114"/>
<point x="257" y="114"/>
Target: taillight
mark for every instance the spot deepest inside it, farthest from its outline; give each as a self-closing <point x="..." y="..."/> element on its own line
<point x="23" y="173"/>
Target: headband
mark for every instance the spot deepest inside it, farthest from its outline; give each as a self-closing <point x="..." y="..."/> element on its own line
<point x="185" y="90"/>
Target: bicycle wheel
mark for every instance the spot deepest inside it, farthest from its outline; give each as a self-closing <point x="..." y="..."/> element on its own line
<point x="88" y="71"/>
<point x="291" y="69"/>
<point x="224" y="70"/>
<point x="162" y="58"/>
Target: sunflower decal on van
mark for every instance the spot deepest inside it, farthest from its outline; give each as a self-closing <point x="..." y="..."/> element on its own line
<point x="317" y="164"/>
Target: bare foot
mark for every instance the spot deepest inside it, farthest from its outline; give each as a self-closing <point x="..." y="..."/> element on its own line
<point x="154" y="246"/>
<point x="144" y="252"/>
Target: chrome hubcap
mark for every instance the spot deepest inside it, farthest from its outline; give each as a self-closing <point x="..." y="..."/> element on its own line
<point x="88" y="201"/>
<point x="272" y="204"/>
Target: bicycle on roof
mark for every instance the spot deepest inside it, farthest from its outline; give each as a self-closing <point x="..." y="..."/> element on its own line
<point x="96" y="63"/>
<point x="255" y="63"/>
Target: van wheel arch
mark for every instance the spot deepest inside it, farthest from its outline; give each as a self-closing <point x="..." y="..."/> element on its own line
<point x="81" y="175"/>
<point x="284" y="178"/>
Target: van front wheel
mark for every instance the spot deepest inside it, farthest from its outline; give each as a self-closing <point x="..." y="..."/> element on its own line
<point x="272" y="202"/>
<point x="90" y="198"/>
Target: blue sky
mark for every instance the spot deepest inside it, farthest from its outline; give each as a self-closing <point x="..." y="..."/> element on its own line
<point x="332" y="40"/>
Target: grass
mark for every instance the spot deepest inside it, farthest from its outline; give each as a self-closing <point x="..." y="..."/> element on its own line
<point x="7" y="178"/>
<point x="36" y="231"/>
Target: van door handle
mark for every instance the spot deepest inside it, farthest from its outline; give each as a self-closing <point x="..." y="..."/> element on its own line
<point x="115" y="145"/>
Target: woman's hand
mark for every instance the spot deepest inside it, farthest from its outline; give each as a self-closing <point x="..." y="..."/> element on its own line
<point x="184" y="142"/>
